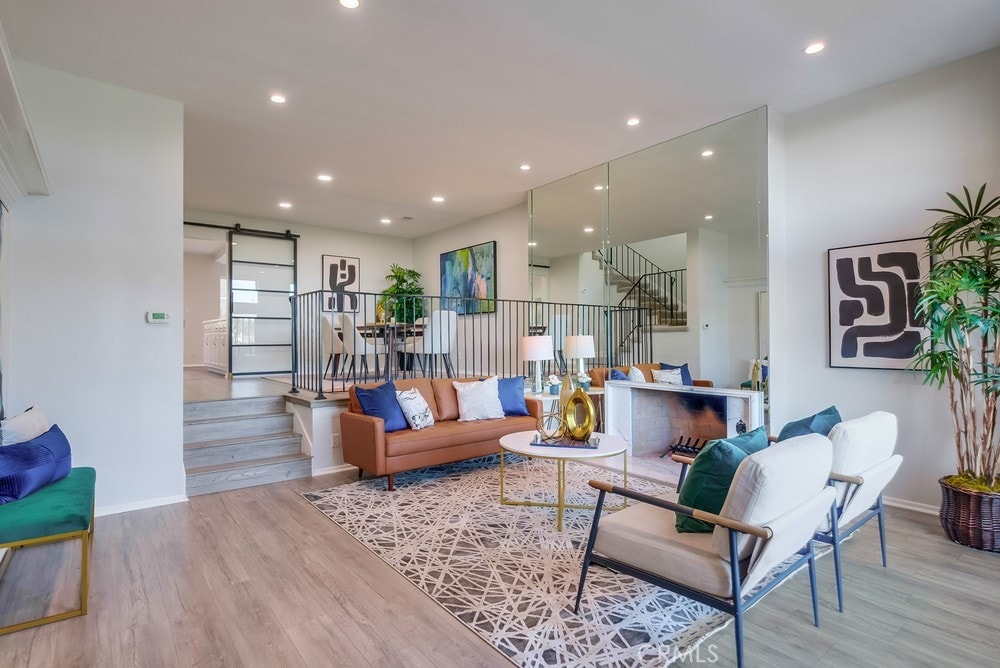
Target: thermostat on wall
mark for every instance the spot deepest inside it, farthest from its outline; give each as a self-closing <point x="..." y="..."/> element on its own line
<point x="157" y="317"/>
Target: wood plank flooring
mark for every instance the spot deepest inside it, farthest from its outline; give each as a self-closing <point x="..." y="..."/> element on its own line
<point x="257" y="577"/>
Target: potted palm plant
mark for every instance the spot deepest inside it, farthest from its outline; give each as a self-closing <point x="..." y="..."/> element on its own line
<point x="403" y="299"/>
<point x="960" y="305"/>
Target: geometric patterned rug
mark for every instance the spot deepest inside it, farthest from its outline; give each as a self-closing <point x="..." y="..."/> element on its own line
<point x="507" y="574"/>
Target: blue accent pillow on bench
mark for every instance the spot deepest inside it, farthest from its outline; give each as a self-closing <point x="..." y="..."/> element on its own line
<point x="29" y="466"/>
<point x="381" y="402"/>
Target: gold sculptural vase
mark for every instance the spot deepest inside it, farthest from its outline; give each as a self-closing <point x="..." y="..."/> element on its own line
<point x="579" y="416"/>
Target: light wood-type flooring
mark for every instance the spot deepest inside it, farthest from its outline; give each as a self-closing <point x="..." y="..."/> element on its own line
<point x="257" y="577"/>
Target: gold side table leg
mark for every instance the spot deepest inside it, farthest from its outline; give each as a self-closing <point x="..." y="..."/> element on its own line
<point x="560" y="492"/>
<point x="501" y="477"/>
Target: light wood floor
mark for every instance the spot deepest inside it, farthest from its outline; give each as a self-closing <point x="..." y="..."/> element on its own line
<point x="257" y="577"/>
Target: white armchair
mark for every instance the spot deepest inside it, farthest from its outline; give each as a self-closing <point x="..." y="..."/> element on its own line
<point x="863" y="464"/>
<point x="777" y="499"/>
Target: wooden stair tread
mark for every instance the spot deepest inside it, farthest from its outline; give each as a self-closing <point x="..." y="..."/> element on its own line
<point x="197" y="445"/>
<point x="246" y="464"/>
<point x="235" y="418"/>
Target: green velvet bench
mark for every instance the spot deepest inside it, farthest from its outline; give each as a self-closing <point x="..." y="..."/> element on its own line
<point x="61" y="511"/>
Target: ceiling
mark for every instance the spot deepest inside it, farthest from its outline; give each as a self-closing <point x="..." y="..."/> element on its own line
<point x="400" y="101"/>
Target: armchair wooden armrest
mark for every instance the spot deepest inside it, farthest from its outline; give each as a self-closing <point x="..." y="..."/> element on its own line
<point x="683" y="459"/>
<point x="843" y="477"/>
<point x="759" y="532"/>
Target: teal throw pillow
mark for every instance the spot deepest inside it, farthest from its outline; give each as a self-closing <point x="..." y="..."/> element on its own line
<point x="711" y="474"/>
<point x="820" y="423"/>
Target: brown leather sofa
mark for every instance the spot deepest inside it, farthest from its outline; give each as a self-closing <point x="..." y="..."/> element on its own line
<point x="367" y="446"/>
<point x="600" y="373"/>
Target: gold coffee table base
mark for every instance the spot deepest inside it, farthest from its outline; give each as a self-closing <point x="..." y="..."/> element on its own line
<point x="560" y="486"/>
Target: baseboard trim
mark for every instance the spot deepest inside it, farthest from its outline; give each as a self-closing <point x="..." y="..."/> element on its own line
<point x="335" y="469"/>
<point x="101" y="511"/>
<point x="910" y="505"/>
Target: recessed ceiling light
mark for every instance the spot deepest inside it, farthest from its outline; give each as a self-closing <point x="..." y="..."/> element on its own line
<point x="350" y="4"/>
<point x="437" y="198"/>
<point x="278" y="98"/>
<point x="525" y="167"/>
<point x="598" y="187"/>
<point x="385" y="221"/>
<point x="285" y="205"/>
<point x="588" y="229"/>
<point x="707" y="153"/>
<point x="632" y="122"/>
<point x="815" y="47"/>
<point x="532" y="243"/>
<point x="709" y="217"/>
<point x="325" y="177"/>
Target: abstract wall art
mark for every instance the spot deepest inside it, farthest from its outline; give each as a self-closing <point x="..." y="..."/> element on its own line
<point x="468" y="279"/>
<point x="342" y="277"/>
<point x="874" y="290"/>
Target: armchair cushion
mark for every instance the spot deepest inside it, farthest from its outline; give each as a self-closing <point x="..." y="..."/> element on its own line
<point x="685" y="372"/>
<point x="381" y="402"/>
<point x="707" y="483"/>
<point x="646" y="537"/>
<point x="820" y="423"/>
<point x="770" y="482"/>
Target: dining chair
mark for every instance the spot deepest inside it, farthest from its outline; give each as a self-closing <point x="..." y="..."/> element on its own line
<point x="356" y="345"/>
<point x="778" y="497"/>
<point x="863" y="464"/>
<point x="332" y="346"/>
<point x="440" y="334"/>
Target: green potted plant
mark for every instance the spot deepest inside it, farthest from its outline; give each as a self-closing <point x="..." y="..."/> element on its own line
<point x="960" y="305"/>
<point x="403" y="299"/>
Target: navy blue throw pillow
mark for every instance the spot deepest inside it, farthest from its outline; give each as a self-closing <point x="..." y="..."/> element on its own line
<point x="511" y="392"/>
<point x="617" y="375"/>
<point x="381" y="402"/>
<point x="685" y="372"/>
<point x="29" y="466"/>
<point x="820" y="423"/>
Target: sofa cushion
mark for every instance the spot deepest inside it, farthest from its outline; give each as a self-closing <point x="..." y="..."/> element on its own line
<point x="668" y="376"/>
<point x="446" y="399"/>
<point x="415" y="408"/>
<point x="23" y="426"/>
<point x="616" y="374"/>
<point x="820" y="423"/>
<point x="381" y="402"/>
<point x="636" y="375"/>
<point x="478" y="400"/>
<point x="708" y="481"/>
<point x="511" y="392"/>
<point x="451" y="433"/>
<point x="29" y="466"/>
<point x="685" y="372"/>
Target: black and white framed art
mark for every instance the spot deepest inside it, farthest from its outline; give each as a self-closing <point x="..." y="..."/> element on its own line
<point x="342" y="277"/>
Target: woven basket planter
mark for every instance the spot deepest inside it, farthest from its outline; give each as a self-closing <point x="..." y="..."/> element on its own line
<point x="971" y="518"/>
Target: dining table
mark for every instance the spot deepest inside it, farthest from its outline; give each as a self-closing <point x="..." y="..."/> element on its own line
<point x="391" y="333"/>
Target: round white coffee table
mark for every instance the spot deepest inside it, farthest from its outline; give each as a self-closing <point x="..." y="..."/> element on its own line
<point x="520" y="443"/>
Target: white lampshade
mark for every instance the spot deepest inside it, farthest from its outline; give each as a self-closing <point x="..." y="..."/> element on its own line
<point x="580" y="347"/>
<point x="536" y="348"/>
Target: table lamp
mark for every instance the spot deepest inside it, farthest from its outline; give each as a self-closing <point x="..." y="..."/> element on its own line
<point x="580" y="347"/>
<point x="536" y="349"/>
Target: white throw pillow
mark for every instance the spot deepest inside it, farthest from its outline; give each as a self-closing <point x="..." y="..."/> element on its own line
<point x="636" y="375"/>
<point x="668" y="376"/>
<point x="479" y="400"/>
<point x="415" y="408"/>
<point x="23" y="427"/>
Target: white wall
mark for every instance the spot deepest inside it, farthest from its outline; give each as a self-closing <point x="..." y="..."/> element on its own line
<point x="376" y="252"/>
<point x="83" y="265"/>
<point x="509" y="228"/>
<point x="201" y="301"/>
<point x="863" y="169"/>
<point x="667" y="253"/>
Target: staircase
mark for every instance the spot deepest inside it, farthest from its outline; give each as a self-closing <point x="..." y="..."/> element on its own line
<point x="640" y="283"/>
<point x="240" y="443"/>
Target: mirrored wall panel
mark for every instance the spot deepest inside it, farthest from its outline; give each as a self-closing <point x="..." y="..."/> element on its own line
<point x="678" y="230"/>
